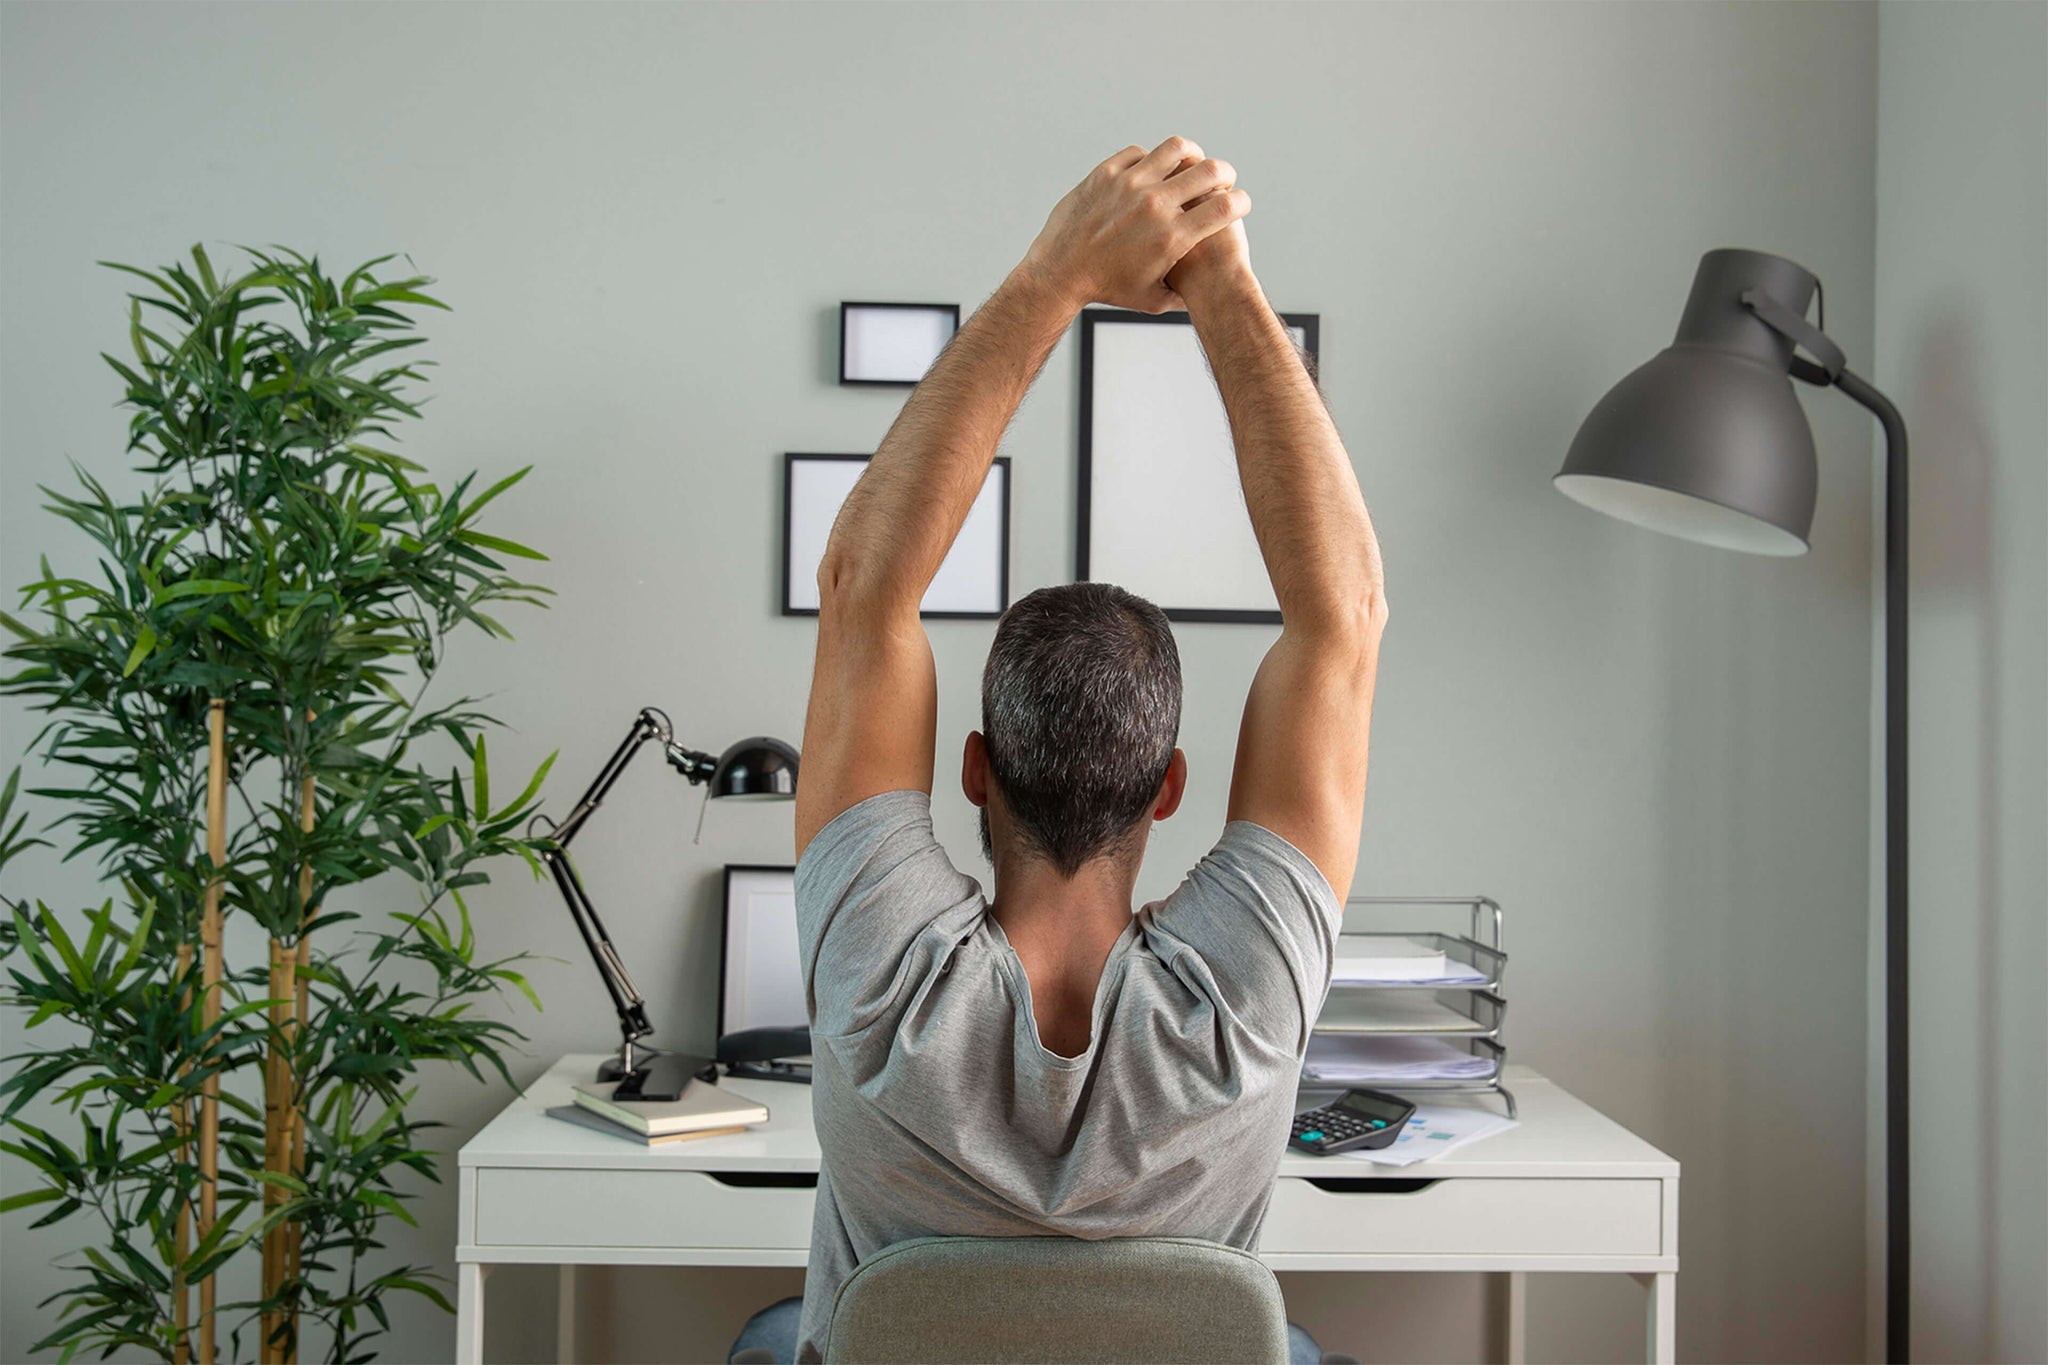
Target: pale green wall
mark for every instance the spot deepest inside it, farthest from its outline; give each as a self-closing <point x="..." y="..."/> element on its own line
<point x="1655" y="755"/>
<point x="1962" y="347"/>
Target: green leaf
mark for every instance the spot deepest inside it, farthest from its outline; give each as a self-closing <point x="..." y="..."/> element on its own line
<point x="197" y="587"/>
<point x="483" y="499"/>
<point x="533" y="787"/>
<point x="29" y="1198"/>
<point x="480" y="780"/>
<point x="145" y="641"/>
<point x="498" y="543"/>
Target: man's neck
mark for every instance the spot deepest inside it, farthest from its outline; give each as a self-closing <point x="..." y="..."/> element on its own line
<point x="1063" y="929"/>
<point x="1065" y="925"/>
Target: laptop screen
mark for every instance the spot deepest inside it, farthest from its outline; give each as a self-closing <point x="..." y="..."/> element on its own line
<point x="761" y="982"/>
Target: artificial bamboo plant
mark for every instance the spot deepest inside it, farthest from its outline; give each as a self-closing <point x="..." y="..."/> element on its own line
<point x="238" y="728"/>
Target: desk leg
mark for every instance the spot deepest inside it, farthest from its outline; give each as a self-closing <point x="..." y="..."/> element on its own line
<point x="565" y="1314"/>
<point x="1663" y="1337"/>
<point x="1513" y="1300"/>
<point x="469" y="1313"/>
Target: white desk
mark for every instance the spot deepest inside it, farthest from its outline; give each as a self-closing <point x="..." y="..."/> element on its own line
<point x="1568" y="1190"/>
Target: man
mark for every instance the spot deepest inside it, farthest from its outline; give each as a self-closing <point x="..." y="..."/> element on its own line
<point x="1048" y="1063"/>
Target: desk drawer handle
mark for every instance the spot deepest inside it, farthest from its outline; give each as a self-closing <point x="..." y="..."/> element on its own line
<point x="1369" y="1184"/>
<point x="767" y="1180"/>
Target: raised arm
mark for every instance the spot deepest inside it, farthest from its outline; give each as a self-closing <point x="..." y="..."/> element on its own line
<point x="1301" y="749"/>
<point x="874" y="692"/>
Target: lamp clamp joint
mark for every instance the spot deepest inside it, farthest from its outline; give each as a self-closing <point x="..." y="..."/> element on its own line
<point x="1828" y="361"/>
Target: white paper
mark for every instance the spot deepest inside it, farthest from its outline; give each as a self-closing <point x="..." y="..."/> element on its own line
<point x="1374" y="959"/>
<point x="1166" y="516"/>
<point x="1353" y="1058"/>
<point x="969" y="580"/>
<point x="1436" y="1128"/>
<point x="895" y="345"/>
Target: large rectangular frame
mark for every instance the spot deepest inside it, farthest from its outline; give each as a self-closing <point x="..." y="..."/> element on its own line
<point x="1001" y="471"/>
<point x="1091" y="318"/>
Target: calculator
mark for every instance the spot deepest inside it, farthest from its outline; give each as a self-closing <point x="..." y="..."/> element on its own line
<point x="1357" y="1120"/>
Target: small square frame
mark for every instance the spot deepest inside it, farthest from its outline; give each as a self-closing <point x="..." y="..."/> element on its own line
<point x="895" y="378"/>
<point x="792" y="574"/>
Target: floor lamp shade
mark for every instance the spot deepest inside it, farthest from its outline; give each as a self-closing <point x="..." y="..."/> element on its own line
<point x="1706" y="441"/>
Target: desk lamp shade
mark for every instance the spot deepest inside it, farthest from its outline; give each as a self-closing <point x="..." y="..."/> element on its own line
<point x="1706" y="441"/>
<point x="756" y="769"/>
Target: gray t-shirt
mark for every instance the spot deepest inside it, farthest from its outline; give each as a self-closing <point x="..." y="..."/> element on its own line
<point x="939" y="1112"/>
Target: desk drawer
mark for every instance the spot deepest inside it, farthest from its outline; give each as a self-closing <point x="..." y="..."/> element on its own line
<point x="572" y="1208"/>
<point x="1467" y="1216"/>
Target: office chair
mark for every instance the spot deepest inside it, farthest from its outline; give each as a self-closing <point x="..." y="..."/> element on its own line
<point x="1059" y="1299"/>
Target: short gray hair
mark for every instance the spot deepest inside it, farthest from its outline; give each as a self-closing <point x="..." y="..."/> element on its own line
<point x="1080" y="707"/>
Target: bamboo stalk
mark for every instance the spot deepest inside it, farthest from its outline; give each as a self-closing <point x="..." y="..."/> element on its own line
<point x="295" y="1119"/>
<point x="277" y="1079"/>
<point x="181" y="1293"/>
<point x="209" y="1002"/>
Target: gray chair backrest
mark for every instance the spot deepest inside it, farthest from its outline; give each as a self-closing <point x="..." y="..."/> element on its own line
<point x="1047" y="1299"/>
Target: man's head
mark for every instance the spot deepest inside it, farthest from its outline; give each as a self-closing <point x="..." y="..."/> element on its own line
<point x="1080" y="709"/>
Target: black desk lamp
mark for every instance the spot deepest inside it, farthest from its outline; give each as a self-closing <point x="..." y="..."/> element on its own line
<point x="1707" y="442"/>
<point x="759" y="769"/>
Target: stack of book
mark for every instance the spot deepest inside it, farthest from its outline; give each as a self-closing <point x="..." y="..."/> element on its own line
<point x="703" y="1110"/>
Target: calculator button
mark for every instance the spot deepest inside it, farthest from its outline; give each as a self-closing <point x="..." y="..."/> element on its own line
<point x="1312" y="1135"/>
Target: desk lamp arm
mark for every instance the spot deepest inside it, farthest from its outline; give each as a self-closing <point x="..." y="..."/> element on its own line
<point x="698" y="767"/>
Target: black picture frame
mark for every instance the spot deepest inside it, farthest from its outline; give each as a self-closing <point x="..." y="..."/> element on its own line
<point x="1092" y="318"/>
<point x="846" y="310"/>
<point x="725" y="920"/>
<point x="1000" y="469"/>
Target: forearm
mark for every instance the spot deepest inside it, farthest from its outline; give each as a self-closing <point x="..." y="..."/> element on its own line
<point x="903" y="515"/>
<point x="1299" y="486"/>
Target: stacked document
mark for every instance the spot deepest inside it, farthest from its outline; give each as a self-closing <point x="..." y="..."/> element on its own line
<point x="1388" y="960"/>
<point x="1353" y="1058"/>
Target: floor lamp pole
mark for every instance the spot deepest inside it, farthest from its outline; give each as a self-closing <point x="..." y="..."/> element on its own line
<point x="1898" y="1203"/>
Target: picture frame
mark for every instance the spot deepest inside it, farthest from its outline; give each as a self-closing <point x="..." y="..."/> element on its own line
<point x="892" y="345"/>
<point x="760" y="973"/>
<point x="973" y="583"/>
<point x="1155" y="451"/>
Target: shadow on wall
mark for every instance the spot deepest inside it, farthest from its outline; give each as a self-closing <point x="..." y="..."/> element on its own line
<point x="1957" y="607"/>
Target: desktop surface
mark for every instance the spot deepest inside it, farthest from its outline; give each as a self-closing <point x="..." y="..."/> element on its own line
<point x="1559" y="1135"/>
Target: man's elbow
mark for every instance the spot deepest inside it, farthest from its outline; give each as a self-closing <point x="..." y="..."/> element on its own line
<point x="849" y="584"/>
<point x="1351" y="624"/>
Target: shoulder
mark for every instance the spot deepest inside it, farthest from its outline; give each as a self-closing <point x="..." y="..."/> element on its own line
<point x="1251" y="860"/>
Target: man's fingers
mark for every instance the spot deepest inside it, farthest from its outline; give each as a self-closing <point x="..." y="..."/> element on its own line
<point x="1168" y="157"/>
<point x="1119" y="162"/>
<point x="1218" y="211"/>
<point x="1199" y="179"/>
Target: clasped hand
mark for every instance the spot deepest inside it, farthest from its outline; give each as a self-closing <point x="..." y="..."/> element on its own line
<point x="1142" y="227"/>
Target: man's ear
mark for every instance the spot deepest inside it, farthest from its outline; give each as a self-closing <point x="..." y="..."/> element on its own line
<point x="974" y="769"/>
<point x="1172" y="787"/>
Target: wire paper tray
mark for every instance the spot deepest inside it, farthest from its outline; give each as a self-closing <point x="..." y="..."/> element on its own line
<point x="1488" y="1083"/>
<point x="1378" y="1009"/>
<point x="1489" y="963"/>
<point x="1467" y="1015"/>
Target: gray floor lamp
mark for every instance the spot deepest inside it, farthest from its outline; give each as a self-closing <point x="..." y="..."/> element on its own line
<point x="1707" y="442"/>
